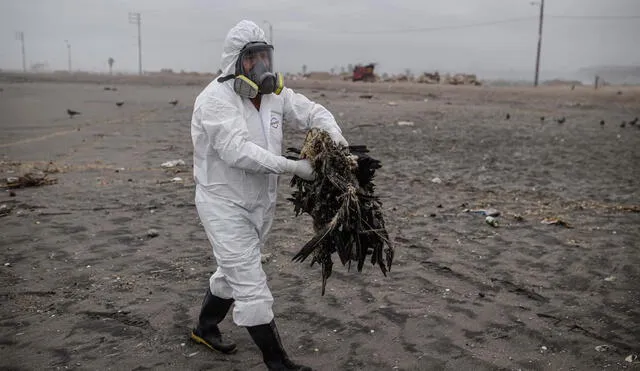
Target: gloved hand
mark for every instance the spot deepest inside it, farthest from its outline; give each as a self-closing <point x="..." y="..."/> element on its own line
<point x="302" y="168"/>
<point x="338" y="138"/>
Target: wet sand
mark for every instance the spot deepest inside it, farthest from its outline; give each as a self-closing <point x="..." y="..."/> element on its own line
<point x="86" y="288"/>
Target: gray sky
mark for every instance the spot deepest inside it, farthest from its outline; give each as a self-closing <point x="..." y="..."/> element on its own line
<point x="188" y="34"/>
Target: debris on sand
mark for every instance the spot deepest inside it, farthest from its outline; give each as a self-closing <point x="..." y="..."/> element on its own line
<point x="602" y="348"/>
<point x="406" y="123"/>
<point x="366" y="96"/>
<point x="556" y="221"/>
<point x="485" y="212"/>
<point x="36" y="179"/>
<point x="173" y="163"/>
<point x="265" y="258"/>
<point x="5" y="210"/>
<point x="151" y="233"/>
<point x="347" y="216"/>
<point x="492" y="221"/>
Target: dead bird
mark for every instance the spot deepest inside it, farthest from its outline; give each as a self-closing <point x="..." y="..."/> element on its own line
<point x="347" y="216"/>
<point x="72" y="113"/>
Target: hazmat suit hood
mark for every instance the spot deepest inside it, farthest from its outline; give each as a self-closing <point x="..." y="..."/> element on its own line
<point x="242" y="33"/>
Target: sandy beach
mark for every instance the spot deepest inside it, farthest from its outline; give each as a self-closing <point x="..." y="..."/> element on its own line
<point x="106" y="268"/>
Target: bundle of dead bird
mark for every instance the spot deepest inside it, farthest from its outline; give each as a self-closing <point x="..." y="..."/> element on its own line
<point x="347" y="216"/>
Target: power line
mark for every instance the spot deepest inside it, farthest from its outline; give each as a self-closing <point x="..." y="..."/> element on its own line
<point x="427" y="29"/>
<point x="595" y="17"/>
<point x="491" y="23"/>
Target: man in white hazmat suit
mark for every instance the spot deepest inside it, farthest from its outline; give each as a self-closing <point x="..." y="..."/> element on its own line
<point x="236" y="131"/>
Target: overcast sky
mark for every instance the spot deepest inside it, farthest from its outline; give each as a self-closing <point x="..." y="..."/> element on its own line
<point x="397" y="34"/>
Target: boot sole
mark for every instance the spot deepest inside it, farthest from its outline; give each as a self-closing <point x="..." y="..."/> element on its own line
<point x="202" y="341"/>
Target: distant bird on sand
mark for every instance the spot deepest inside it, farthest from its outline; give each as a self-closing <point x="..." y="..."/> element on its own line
<point x="541" y="118"/>
<point x="508" y="116"/>
<point x="633" y="122"/>
<point x="561" y="120"/>
<point x="602" y="122"/>
<point x="174" y="102"/>
<point x="624" y="123"/>
<point x="72" y="113"/>
<point x="119" y="104"/>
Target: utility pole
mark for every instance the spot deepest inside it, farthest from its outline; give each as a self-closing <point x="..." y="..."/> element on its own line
<point x="535" y="83"/>
<point x="68" y="54"/>
<point x="20" y="37"/>
<point x="134" y="18"/>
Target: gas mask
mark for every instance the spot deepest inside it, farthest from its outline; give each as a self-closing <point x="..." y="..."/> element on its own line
<point x="254" y="73"/>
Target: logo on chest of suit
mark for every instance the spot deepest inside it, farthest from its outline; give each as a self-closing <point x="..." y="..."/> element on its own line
<point x="275" y="121"/>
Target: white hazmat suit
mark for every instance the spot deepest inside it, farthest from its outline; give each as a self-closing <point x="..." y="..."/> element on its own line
<point x="237" y="159"/>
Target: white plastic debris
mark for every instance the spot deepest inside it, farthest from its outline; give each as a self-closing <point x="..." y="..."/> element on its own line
<point x="176" y="179"/>
<point x="436" y="180"/>
<point x="173" y="163"/>
<point x="610" y="278"/>
<point x="392" y="103"/>
<point x="406" y="123"/>
<point x="152" y="233"/>
<point x="631" y="358"/>
<point x="603" y="348"/>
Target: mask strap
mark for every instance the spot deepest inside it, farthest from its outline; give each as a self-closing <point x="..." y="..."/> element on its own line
<point x="279" y="84"/>
<point x="226" y="78"/>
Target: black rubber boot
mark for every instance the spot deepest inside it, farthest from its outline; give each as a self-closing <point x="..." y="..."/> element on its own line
<point x="213" y="311"/>
<point x="268" y="340"/>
